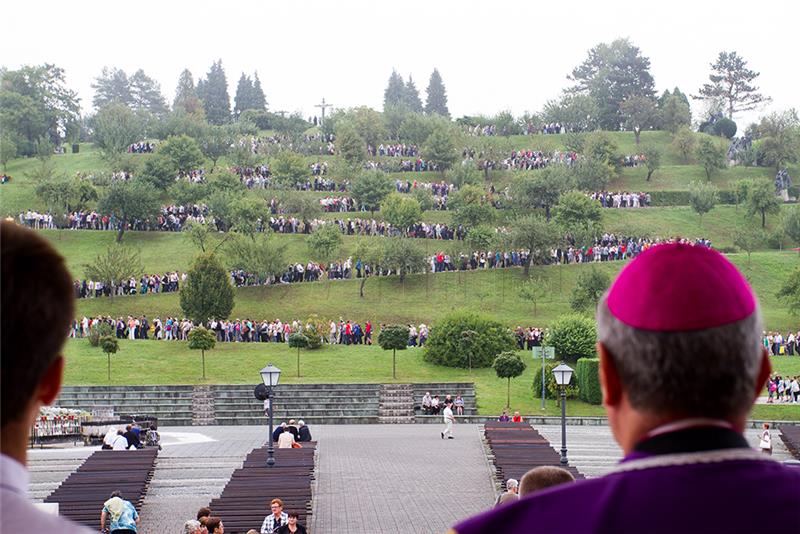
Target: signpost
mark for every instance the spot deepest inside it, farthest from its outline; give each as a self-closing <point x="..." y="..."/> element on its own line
<point x="544" y="352"/>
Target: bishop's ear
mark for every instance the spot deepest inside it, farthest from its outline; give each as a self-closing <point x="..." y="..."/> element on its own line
<point x="609" y="378"/>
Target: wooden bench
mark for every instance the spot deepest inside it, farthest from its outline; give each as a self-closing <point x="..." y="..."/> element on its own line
<point x="81" y="496"/>
<point x="790" y="434"/>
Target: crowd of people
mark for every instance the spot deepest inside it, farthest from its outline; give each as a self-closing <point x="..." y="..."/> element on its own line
<point x="621" y="199"/>
<point x="633" y="160"/>
<point x="142" y="147"/>
<point x="406" y="165"/>
<point x="611" y="247"/>
<point x="532" y="159"/>
<point x="277" y="522"/>
<point x="783" y="389"/>
<point x="778" y="345"/>
<point x="148" y="283"/>
<point x="433" y="405"/>
<point x="132" y="437"/>
<point x="528" y="337"/>
<point x="394" y="150"/>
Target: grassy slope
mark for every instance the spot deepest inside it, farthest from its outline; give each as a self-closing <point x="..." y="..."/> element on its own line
<point x="151" y="362"/>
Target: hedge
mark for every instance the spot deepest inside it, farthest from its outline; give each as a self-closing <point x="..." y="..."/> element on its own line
<point x="588" y="374"/>
<point x="681" y="198"/>
<point x="465" y="339"/>
<point x="551" y="388"/>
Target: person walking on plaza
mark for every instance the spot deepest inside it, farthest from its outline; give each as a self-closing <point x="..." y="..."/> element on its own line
<point x="449" y="419"/>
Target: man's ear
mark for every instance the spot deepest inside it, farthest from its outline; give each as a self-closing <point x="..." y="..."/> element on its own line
<point x="609" y="379"/>
<point x="50" y="384"/>
<point x="763" y="373"/>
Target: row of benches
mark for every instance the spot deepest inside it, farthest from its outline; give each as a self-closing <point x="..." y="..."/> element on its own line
<point x="790" y="434"/>
<point x="518" y="447"/>
<point x="81" y="496"/>
<point x="245" y="500"/>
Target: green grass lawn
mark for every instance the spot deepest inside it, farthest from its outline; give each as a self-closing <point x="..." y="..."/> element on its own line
<point x="154" y="362"/>
<point x="678" y="177"/>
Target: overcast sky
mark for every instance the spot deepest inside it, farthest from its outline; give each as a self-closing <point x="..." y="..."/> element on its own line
<point x="493" y="55"/>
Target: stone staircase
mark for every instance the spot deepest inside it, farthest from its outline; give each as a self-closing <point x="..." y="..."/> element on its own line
<point x="172" y="405"/>
<point x="203" y="409"/>
<point x="396" y="404"/>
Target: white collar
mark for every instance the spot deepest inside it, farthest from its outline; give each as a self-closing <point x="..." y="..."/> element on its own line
<point x="13" y="476"/>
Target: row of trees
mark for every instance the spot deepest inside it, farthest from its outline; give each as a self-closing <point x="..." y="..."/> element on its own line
<point x="405" y="95"/>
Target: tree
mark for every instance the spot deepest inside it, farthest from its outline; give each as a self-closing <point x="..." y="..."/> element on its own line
<point x="214" y="94"/>
<point x="471" y="207"/>
<point x="129" y="201"/>
<point x="351" y="146"/>
<point x="790" y="292"/>
<point x="577" y="209"/>
<point x="183" y="152"/>
<point x="202" y="339"/>
<point x="749" y="238"/>
<point x="412" y="100"/>
<point x="466" y="173"/>
<point x="588" y="290"/>
<point x="684" y="142"/>
<point x="186" y="94"/>
<point x="306" y="207"/>
<point x="393" y="337"/>
<point x="369" y="252"/>
<point x="465" y="339"/>
<point x="289" y="168"/>
<point x="534" y="290"/>
<point x="508" y="365"/>
<point x="573" y="336"/>
<point x="537" y="235"/>
<point x="258" y="99"/>
<point x="159" y="171"/>
<point x="116" y="128"/>
<point x="207" y="293"/>
<point x="436" y="101"/>
<point x="481" y="238"/>
<point x="575" y="112"/>
<point x="791" y="224"/>
<point x="403" y="256"/>
<point x="368" y="124"/>
<point x="215" y="143"/>
<point x="731" y="82"/>
<point x="638" y="113"/>
<point x="539" y="189"/>
<point x="8" y="150"/>
<point x="112" y="87"/>
<point x="780" y="138"/>
<point x="415" y="128"/>
<point x="146" y="94"/>
<point x="591" y="174"/>
<point x="674" y="113"/>
<point x="401" y="211"/>
<point x="761" y="199"/>
<point x="324" y="242"/>
<point x="440" y="148"/>
<point x="247" y="215"/>
<point x="394" y="95"/>
<point x="610" y="74"/>
<point x="711" y="156"/>
<point x="371" y="189"/>
<point x="297" y="341"/>
<point x="260" y="255"/>
<point x="702" y="198"/>
<point x="109" y="345"/>
<point x="200" y="235"/>
<point x="65" y="195"/>
<point x="652" y="156"/>
<point x="118" y="264"/>
<point x="244" y="95"/>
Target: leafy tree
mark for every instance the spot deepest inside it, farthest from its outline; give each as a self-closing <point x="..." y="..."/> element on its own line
<point x="780" y="138"/>
<point x="601" y="147"/>
<point x="202" y="339"/>
<point x="116" y="127"/>
<point x="112" y="87"/>
<point x="394" y="95"/>
<point x="368" y="124"/>
<point x="436" y="101"/>
<point x="424" y="197"/>
<point x="370" y="252"/>
<point x="160" y="171"/>
<point x="539" y="189"/>
<point x="471" y="207"/>
<point x="652" y="156"/>
<point x="711" y="156"/>
<point x="439" y="148"/>
<point x="115" y="265"/>
<point x="466" y="340"/>
<point x="638" y="113"/>
<point x="200" y="235"/>
<point x="466" y="173"/>
<point x="674" y="113"/>
<point x="213" y="92"/>
<point x="109" y="345"/>
<point x="186" y="94"/>
<point x="790" y="292"/>
<point x="576" y="209"/>
<point x="393" y="337"/>
<point x="401" y="211"/>
<point x="261" y="255"/>
<point x="8" y="150"/>
<point x="731" y="82"/>
<point x="371" y="189"/>
<point x="791" y="224"/>
<point x="591" y="174"/>
<point x="575" y="112"/>
<point x="684" y="142"/>
<point x="702" y="198"/>
<point x="128" y="201"/>
<point x="610" y="74"/>
<point x="481" y="237"/>
<point x="289" y="168"/>
<point x="573" y="336"/>
<point x="183" y="152"/>
<point x="66" y="195"/>
<point x="246" y="215"/>
<point x="207" y="293"/>
<point x="536" y="234"/>
<point x="351" y="146"/>
<point x="415" y="128"/>
<point x="761" y="199"/>
<point x="749" y="238"/>
<point x="508" y="365"/>
<point x="588" y="290"/>
<point x="403" y="256"/>
<point x="297" y="341"/>
<point x="324" y="242"/>
<point x="146" y="94"/>
<point x="412" y="99"/>
<point x="215" y="143"/>
<point x="534" y="290"/>
<point x="306" y="207"/>
<point x="505" y="123"/>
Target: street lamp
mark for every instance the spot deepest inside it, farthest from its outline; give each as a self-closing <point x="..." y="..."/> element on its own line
<point x="270" y="376"/>
<point x="563" y="374"/>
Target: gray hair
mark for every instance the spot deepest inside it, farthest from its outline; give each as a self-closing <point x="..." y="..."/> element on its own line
<point x="709" y="373"/>
<point x="191" y="526"/>
<point x="512" y="483"/>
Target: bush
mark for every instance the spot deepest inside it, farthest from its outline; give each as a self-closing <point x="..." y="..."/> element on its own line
<point x="98" y="331"/>
<point x="314" y="331"/>
<point x="588" y="375"/>
<point x="724" y="127"/>
<point x="573" y="337"/>
<point x="463" y="334"/>
<point x="551" y="388"/>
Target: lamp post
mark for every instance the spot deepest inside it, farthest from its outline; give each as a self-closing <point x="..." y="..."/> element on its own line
<point x="563" y="374"/>
<point x="270" y="376"/>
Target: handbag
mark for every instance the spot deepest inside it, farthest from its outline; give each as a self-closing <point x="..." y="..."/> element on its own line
<point x="296" y="445"/>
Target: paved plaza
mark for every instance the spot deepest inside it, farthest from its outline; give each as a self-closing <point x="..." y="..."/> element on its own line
<point x="370" y="478"/>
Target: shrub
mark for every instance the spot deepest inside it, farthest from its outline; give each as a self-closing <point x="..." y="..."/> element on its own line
<point x="98" y="331"/>
<point x="573" y="337"/>
<point x="462" y="339"/>
<point x="314" y="331"/>
<point x="551" y="388"/>
<point x="588" y="374"/>
<point x="724" y="127"/>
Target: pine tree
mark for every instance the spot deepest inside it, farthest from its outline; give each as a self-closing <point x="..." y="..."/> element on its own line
<point x="437" y="96"/>
<point x="395" y="91"/>
<point x="413" y="102"/>
<point x="112" y="86"/>
<point x="244" y="95"/>
<point x="216" y="101"/>
<point x="185" y="92"/>
<point x="146" y="94"/>
<point x="259" y="101"/>
<point x="207" y="293"/>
